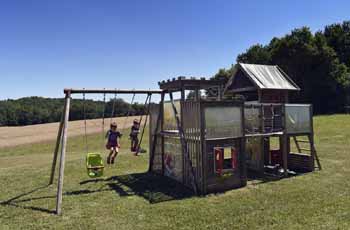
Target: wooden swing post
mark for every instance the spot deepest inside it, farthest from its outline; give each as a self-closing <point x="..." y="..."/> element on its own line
<point x="58" y="141"/>
<point x="63" y="154"/>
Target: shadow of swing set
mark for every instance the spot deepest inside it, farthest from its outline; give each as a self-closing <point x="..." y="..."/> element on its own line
<point x="214" y="143"/>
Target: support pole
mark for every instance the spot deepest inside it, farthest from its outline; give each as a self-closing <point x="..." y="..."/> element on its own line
<point x="58" y="142"/>
<point x="285" y="154"/>
<point x="285" y="143"/>
<point x="63" y="156"/>
<point x="154" y="138"/>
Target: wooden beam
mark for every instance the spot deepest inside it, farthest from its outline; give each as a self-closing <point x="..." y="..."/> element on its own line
<point x="154" y="139"/>
<point x="58" y="141"/>
<point x="245" y="89"/>
<point x="63" y="156"/>
<point x="285" y="148"/>
<point x="297" y="144"/>
<point x="111" y="91"/>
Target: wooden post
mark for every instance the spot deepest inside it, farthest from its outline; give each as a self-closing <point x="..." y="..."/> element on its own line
<point x="58" y="141"/>
<point x="285" y="148"/>
<point x="162" y="129"/>
<point x="63" y="155"/>
<point x="203" y="147"/>
<point x="311" y="137"/>
<point x="197" y="96"/>
<point x="242" y="152"/>
<point x="154" y="138"/>
<point x="184" y="166"/>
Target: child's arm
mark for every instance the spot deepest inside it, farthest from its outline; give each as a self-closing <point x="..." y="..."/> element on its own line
<point x="118" y="139"/>
<point x="107" y="135"/>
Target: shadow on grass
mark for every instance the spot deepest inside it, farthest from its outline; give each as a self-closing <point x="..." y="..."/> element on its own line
<point x="255" y="178"/>
<point x="16" y="201"/>
<point x="19" y="200"/>
<point x="151" y="187"/>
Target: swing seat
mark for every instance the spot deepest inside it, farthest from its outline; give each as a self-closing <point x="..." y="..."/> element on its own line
<point x="94" y="165"/>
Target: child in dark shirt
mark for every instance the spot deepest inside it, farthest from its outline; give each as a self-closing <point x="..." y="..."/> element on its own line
<point x="134" y="136"/>
<point x="113" y="145"/>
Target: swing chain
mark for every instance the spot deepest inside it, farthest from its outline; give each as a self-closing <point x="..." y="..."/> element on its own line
<point x="128" y="113"/>
<point x="149" y="98"/>
<point x="85" y="124"/>
<point x="113" y="107"/>
<point x="103" y="117"/>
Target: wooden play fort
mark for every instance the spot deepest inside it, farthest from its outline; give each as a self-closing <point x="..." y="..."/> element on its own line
<point x="209" y="135"/>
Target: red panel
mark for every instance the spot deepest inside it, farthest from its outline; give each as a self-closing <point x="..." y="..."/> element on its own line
<point x="219" y="160"/>
<point x="234" y="158"/>
<point x="276" y="157"/>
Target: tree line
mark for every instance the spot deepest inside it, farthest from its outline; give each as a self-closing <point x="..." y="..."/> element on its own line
<point x="319" y="63"/>
<point x="39" y="110"/>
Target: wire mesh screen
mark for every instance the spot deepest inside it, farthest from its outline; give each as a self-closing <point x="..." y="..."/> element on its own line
<point x="298" y="118"/>
<point x="173" y="160"/>
<point x="169" y="117"/>
<point x="252" y="119"/>
<point x="223" y="122"/>
<point x="157" y="156"/>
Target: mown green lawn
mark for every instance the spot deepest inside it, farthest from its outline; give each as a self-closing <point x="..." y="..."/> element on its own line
<point x="127" y="198"/>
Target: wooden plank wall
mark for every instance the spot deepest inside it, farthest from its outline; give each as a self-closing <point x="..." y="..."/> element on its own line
<point x="192" y="128"/>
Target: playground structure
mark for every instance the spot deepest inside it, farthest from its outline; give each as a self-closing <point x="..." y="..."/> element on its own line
<point x="209" y="143"/>
<point x="269" y="115"/>
<point x="183" y="147"/>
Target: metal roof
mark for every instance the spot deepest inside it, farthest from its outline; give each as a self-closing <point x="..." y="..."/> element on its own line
<point x="265" y="77"/>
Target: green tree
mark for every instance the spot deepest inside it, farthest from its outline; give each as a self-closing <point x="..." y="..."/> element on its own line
<point x="257" y="54"/>
<point x="318" y="63"/>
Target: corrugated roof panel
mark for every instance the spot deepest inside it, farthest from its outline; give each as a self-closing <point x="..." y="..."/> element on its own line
<point x="268" y="77"/>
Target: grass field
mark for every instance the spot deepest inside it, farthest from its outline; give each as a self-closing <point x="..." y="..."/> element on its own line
<point x="128" y="198"/>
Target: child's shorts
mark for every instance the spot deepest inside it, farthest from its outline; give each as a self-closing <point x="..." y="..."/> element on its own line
<point x="112" y="145"/>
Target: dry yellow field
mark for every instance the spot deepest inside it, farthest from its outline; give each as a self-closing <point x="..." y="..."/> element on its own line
<point x="14" y="136"/>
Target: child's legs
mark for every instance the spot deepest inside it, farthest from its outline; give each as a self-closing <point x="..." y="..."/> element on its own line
<point x="111" y="152"/>
<point x="114" y="152"/>
<point x="132" y="143"/>
<point x="136" y="143"/>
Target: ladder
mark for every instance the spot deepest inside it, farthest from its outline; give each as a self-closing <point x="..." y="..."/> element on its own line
<point x="271" y="122"/>
<point x="312" y="149"/>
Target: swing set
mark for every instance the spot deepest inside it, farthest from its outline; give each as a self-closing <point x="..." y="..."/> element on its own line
<point x="94" y="161"/>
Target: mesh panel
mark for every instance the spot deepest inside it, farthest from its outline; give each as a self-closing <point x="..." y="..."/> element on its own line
<point x="223" y="122"/>
<point x="173" y="160"/>
<point x="169" y="117"/>
<point x="298" y="118"/>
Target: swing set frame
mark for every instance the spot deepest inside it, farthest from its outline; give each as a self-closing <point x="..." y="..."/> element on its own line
<point x="61" y="142"/>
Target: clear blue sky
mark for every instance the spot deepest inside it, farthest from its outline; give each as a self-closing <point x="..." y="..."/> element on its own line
<point x="48" y="45"/>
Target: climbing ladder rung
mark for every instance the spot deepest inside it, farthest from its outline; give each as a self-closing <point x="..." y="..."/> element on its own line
<point x="309" y="150"/>
<point x="303" y="141"/>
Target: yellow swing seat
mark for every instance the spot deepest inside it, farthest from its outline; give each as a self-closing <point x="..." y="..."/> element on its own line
<point x="94" y="165"/>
